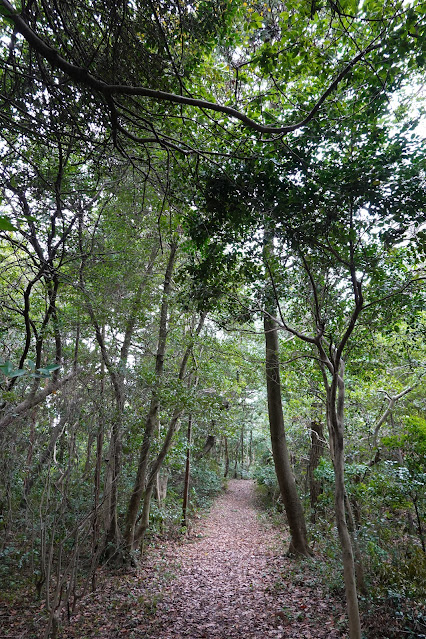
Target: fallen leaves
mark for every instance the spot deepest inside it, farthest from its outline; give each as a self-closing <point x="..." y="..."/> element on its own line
<point x="232" y="581"/>
<point x="226" y="587"/>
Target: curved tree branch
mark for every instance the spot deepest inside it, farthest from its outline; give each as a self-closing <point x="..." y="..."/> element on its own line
<point x="83" y="77"/>
<point x="33" y="400"/>
<point x="381" y="421"/>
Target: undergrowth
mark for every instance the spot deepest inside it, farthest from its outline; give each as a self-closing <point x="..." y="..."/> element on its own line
<point x="395" y="566"/>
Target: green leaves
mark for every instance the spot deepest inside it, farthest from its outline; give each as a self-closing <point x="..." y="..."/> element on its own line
<point x="6" y="224"/>
<point x="47" y="370"/>
<point x="9" y="371"/>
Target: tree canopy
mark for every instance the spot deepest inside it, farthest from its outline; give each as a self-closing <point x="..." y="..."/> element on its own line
<point x="182" y="185"/>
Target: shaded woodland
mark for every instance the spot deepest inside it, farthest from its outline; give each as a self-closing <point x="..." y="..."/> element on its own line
<point x="212" y="246"/>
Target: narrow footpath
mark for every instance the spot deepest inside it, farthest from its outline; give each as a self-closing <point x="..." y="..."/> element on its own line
<point x="232" y="582"/>
<point x="230" y="579"/>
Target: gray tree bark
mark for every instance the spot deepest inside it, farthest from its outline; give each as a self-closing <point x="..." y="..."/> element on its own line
<point x="292" y="504"/>
<point x="151" y="419"/>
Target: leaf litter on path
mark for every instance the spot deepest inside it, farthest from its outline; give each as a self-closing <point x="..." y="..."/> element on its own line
<point x="235" y="582"/>
<point x="232" y="582"/>
<point x="230" y="579"/>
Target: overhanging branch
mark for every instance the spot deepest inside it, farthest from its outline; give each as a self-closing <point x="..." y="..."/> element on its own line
<point x="83" y="77"/>
<point x="33" y="400"/>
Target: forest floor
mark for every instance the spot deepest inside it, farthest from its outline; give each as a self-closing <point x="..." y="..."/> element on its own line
<point x="229" y="579"/>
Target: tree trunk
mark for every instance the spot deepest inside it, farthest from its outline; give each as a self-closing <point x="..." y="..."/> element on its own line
<point x="187" y="475"/>
<point x="139" y="534"/>
<point x="225" y="474"/>
<point x="161" y="483"/>
<point x="345" y="542"/>
<point x="359" y="565"/>
<point x="315" y="454"/>
<point x="90" y="440"/>
<point x="286" y="481"/>
<point x="49" y="450"/>
<point x="139" y="484"/>
<point x="236" y="459"/>
<point x="113" y="531"/>
<point x="335" y="417"/>
<point x="137" y="537"/>
<point x="210" y="442"/>
<point x="419" y="523"/>
<point x="97" y="498"/>
<point x="151" y="420"/>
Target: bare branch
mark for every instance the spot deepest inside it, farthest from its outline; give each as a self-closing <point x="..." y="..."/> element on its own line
<point x="392" y="402"/>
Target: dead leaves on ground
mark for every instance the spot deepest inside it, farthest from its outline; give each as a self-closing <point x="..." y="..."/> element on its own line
<point x="231" y="580"/>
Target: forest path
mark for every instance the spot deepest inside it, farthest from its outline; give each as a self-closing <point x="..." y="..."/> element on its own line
<point x="230" y="582"/>
<point x="228" y="579"/>
<point x="222" y="590"/>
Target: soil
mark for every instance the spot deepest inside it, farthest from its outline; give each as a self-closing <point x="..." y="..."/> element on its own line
<point x="232" y="582"/>
<point x="229" y="578"/>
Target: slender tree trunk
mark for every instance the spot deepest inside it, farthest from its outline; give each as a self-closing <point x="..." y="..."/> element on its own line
<point x="161" y="482"/>
<point x="33" y="418"/>
<point x="286" y="481"/>
<point x="139" y="484"/>
<point x="49" y="450"/>
<point x="89" y="445"/>
<point x="151" y="420"/>
<point x="345" y="543"/>
<point x="226" y="471"/>
<point x="317" y="449"/>
<point x="419" y="522"/>
<point x="117" y="378"/>
<point x="96" y="500"/>
<point x="335" y="416"/>
<point x="134" y="538"/>
<point x="76" y="346"/>
<point x="242" y="447"/>
<point x="187" y="474"/>
<point x="236" y="459"/>
<point x="292" y="503"/>
<point x="359" y="565"/>
<point x="113" y="531"/>
<point x="118" y="383"/>
<point x="139" y="534"/>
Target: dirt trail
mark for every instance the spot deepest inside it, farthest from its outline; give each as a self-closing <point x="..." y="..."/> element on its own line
<point x="223" y="582"/>
<point x="230" y="579"/>
<point x="230" y="582"/>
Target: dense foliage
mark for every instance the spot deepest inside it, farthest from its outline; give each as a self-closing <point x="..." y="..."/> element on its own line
<point x="173" y="174"/>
